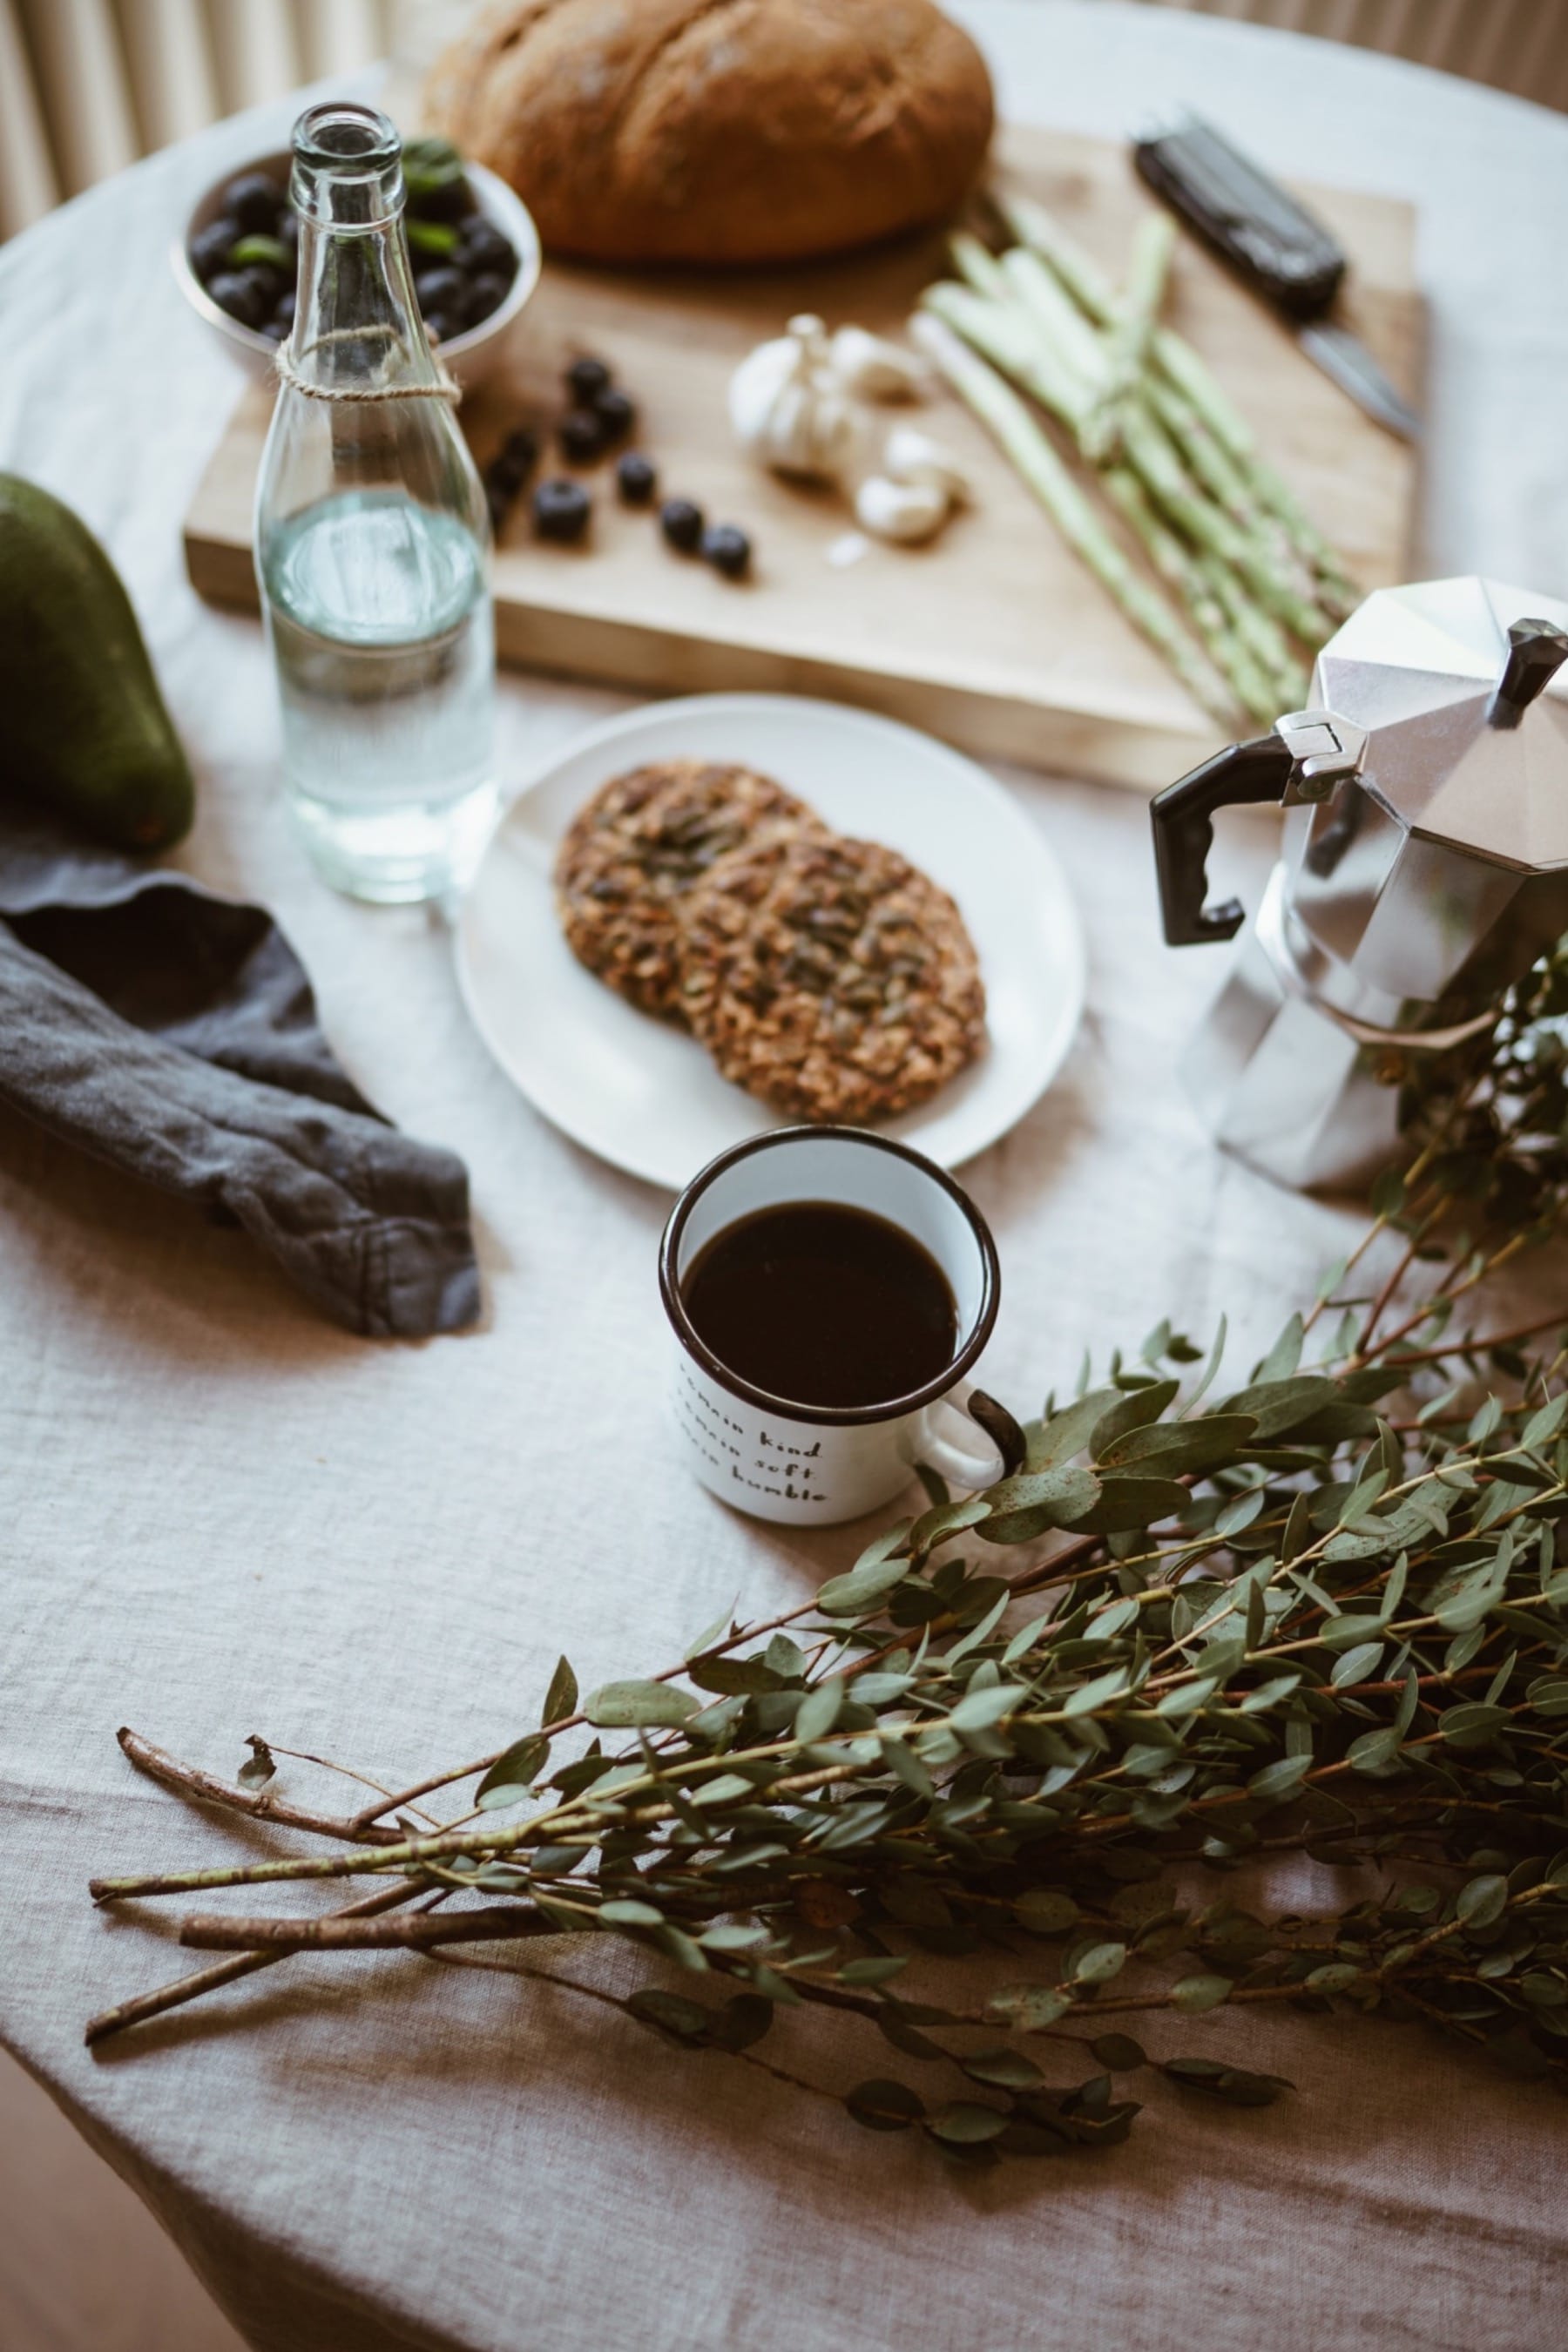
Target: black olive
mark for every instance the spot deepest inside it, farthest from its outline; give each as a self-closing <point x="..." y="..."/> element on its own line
<point x="614" y="411"/>
<point x="433" y="179"/>
<point x="681" y="524"/>
<point x="636" y="478"/>
<point x="587" y="378"/>
<point x="486" y="294"/>
<point x="288" y="229"/>
<point x="438" y="325"/>
<point x="728" y="550"/>
<point x="561" y="509"/>
<point x="271" y="284"/>
<point x="275" y="329"/>
<point x="286" y="308"/>
<point x="499" y="501"/>
<point x="441" y="290"/>
<point x="255" y="201"/>
<point x="514" y="460"/>
<point x="236" y="291"/>
<point x="481" y="246"/>
<point x="210" y="247"/>
<point x="582" y="435"/>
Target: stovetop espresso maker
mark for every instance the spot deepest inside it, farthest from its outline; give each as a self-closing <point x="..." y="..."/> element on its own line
<point x="1425" y="868"/>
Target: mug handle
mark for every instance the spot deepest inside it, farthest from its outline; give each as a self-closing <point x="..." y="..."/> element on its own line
<point x="967" y="1472"/>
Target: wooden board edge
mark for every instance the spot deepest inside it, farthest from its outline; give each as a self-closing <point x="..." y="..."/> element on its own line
<point x="635" y="658"/>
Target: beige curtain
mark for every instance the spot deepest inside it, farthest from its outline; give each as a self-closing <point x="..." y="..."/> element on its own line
<point x="88" y="85"/>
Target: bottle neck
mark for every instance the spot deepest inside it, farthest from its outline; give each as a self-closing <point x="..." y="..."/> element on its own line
<point x="356" y="320"/>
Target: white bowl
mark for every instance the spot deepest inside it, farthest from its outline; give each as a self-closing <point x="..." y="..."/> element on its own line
<point x="471" y="356"/>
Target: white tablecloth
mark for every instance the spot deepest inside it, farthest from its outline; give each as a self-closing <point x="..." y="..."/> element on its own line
<point x="221" y="1517"/>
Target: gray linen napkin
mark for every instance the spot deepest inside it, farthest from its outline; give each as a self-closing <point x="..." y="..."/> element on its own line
<point x="173" y="1034"/>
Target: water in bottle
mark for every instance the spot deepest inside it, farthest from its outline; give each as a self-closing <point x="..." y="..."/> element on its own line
<point x="372" y="545"/>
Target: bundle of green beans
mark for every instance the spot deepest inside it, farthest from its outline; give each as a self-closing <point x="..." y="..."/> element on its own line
<point x="1256" y="584"/>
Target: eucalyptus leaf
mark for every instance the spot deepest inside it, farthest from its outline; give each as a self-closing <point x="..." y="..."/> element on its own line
<point x="510" y="1778"/>
<point x="1068" y="1432"/>
<point x="885" y="2106"/>
<point x="624" y="1707"/>
<point x="1125" y="1502"/>
<point x="1023" y="1508"/>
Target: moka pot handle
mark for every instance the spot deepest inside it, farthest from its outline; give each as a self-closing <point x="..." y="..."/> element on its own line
<point x="1183" y="818"/>
<point x="1307" y="757"/>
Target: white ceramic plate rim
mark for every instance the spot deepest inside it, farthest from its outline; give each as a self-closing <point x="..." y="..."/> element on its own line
<point x="636" y="735"/>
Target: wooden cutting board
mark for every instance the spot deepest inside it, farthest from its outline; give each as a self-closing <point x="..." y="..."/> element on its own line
<point x="993" y="636"/>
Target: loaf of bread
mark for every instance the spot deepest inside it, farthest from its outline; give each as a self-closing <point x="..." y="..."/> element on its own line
<point x="745" y="130"/>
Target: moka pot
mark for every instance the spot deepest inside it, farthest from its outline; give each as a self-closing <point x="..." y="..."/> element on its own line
<point x="1425" y="868"/>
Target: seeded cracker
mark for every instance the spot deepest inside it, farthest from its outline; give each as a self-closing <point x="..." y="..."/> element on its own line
<point x="831" y="978"/>
<point x="637" y="848"/>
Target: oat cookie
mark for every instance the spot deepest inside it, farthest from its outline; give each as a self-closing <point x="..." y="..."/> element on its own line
<point x="831" y="978"/>
<point x="632" y="854"/>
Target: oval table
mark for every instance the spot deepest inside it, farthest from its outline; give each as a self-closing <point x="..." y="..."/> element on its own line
<point x="222" y="1516"/>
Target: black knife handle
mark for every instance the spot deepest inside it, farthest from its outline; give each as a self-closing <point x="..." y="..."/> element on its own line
<point x="1249" y="220"/>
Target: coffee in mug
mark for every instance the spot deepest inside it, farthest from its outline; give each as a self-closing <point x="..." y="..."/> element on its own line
<point x="829" y="1290"/>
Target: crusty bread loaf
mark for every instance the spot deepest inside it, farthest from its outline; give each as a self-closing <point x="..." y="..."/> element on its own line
<point x="718" y="130"/>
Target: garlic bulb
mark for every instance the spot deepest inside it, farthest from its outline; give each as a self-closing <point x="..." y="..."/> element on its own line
<point x="905" y="511"/>
<point x="790" y="411"/>
<point x="874" y="369"/>
<point x="911" y="455"/>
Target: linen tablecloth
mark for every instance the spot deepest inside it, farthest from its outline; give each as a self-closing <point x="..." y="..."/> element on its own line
<point x="222" y="1516"/>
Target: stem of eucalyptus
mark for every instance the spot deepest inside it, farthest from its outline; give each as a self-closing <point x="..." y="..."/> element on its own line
<point x="1282" y="1616"/>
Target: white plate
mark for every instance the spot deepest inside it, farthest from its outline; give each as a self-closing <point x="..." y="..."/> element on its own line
<point x="647" y="1098"/>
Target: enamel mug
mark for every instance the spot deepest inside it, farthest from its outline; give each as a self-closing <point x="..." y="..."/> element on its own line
<point x="811" y="1466"/>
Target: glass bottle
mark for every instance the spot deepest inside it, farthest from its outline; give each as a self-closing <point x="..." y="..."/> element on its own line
<point x="371" y="544"/>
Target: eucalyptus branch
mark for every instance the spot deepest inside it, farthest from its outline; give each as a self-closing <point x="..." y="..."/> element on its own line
<point x="336" y="1932"/>
<point x="261" y="1804"/>
<point x="1313" y="1607"/>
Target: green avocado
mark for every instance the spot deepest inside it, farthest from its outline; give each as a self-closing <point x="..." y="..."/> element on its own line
<point x="83" y="728"/>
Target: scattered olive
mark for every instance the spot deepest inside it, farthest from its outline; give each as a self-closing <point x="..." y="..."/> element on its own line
<point x="617" y="414"/>
<point x="236" y="291"/>
<point x="561" y="509"/>
<point x="636" y="478"/>
<point x="728" y="550"/>
<point x="587" y="378"/>
<point x="255" y="201"/>
<point x="681" y="524"/>
<point x="514" y="460"/>
<point x="582" y="435"/>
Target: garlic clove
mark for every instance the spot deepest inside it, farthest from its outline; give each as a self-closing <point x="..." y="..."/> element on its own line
<point x="906" y="512"/>
<point x="788" y="409"/>
<point x="911" y="455"/>
<point x="873" y="367"/>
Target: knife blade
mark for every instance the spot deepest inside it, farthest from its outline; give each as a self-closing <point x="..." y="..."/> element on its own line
<point x="1280" y="249"/>
<point x="1345" y="357"/>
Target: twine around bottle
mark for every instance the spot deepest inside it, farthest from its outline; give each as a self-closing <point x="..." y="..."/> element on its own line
<point x="442" y="389"/>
